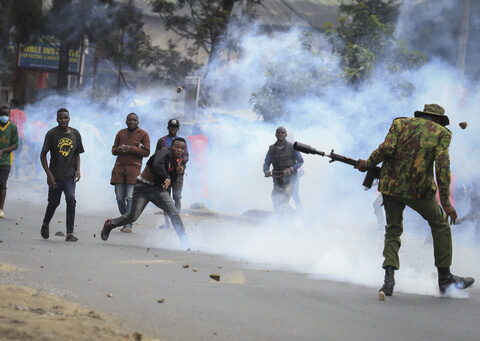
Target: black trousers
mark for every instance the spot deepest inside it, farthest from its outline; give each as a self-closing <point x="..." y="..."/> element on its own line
<point x="142" y="195"/>
<point x="66" y="186"/>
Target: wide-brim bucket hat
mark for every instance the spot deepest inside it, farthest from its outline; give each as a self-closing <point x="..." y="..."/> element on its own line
<point x="436" y="111"/>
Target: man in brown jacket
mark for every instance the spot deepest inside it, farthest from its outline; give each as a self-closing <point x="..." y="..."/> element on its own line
<point x="131" y="145"/>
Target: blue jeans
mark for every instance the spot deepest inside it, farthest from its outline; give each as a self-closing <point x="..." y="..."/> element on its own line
<point x="142" y="195"/>
<point x="124" y="196"/>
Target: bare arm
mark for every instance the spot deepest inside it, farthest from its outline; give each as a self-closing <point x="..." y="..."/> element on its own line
<point x="77" y="167"/>
<point x="50" y="178"/>
<point x="8" y="149"/>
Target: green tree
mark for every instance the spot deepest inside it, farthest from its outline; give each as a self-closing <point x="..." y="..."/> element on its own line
<point x="170" y="66"/>
<point x="297" y="73"/>
<point x="386" y="11"/>
<point x="201" y="22"/>
<point x="20" y="22"/>
<point x="124" y="40"/>
<point x="116" y="28"/>
<point x="364" y="41"/>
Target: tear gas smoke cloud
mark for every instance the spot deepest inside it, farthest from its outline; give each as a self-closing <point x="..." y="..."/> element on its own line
<point x="338" y="237"/>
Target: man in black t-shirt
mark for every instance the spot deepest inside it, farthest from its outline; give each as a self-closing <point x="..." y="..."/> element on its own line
<point x="152" y="186"/>
<point x="65" y="146"/>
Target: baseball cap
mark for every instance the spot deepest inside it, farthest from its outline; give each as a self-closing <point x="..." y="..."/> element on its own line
<point x="173" y="123"/>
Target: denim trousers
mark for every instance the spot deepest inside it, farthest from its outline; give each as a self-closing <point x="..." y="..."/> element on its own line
<point x="142" y="195"/>
<point x="124" y="196"/>
<point x="66" y="186"/>
<point x="176" y="190"/>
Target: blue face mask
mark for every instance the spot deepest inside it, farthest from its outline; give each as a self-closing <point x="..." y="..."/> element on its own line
<point x="4" y="119"/>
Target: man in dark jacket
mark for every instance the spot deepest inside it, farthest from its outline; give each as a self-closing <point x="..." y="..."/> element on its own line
<point x="176" y="186"/>
<point x="151" y="186"/>
<point x="286" y="161"/>
<point x="131" y="145"/>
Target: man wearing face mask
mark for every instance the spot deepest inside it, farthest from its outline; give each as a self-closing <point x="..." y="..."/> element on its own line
<point x="8" y="143"/>
<point x="176" y="187"/>
<point x="286" y="161"/>
<point x="19" y="118"/>
<point x="131" y="145"/>
<point x="151" y="186"/>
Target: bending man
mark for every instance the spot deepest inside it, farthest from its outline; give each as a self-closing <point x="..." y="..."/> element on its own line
<point x="152" y="186"/>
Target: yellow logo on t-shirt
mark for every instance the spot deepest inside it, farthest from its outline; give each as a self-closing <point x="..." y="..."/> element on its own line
<point x="3" y="139"/>
<point x="64" y="146"/>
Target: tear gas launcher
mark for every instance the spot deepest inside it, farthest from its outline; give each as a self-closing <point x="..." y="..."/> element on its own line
<point x="372" y="173"/>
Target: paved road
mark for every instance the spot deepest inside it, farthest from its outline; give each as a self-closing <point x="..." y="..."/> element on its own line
<point x="251" y="302"/>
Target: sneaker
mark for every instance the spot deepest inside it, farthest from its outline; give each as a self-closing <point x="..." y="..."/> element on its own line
<point x="70" y="238"/>
<point x="126" y="229"/>
<point x="164" y="227"/>
<point x="455" y="281"/>
<point x="1" y="214"/>
<point x="106" y="230"/>
<point x="45" y="232"/>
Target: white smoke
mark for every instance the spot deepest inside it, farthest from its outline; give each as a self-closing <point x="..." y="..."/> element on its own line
<point x="338" y="237"/>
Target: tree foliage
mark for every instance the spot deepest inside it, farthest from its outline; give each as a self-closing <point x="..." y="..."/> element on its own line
<point x="114" y="28"/>
<point x="297" y="73"/>
<point x="170" y="66"/>
<point x="201" y="24"/>
<point x="386" y="11"/>
<point x="364" y="42"/>
<point x="124" y="40"/>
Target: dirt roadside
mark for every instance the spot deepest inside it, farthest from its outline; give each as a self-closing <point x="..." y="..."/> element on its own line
<point x="26" y="314"/>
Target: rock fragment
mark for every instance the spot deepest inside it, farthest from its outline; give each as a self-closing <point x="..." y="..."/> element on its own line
<point x="92" y="314"/>
<point x="215" y="277"/>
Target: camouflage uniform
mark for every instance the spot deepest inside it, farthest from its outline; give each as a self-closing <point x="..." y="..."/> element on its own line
<point x="408" y="153"/>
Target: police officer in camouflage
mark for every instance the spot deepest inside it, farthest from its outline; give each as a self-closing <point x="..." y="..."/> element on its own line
<point x="409" y="152"/>
<point x="286" y="161"/>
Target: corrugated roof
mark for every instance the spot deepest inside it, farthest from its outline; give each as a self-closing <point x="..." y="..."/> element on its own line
<point x="282" y="14"/>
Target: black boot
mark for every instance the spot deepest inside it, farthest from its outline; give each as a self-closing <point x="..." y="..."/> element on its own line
<point x="388" y="284"/>
<point x="446" y="279"/>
